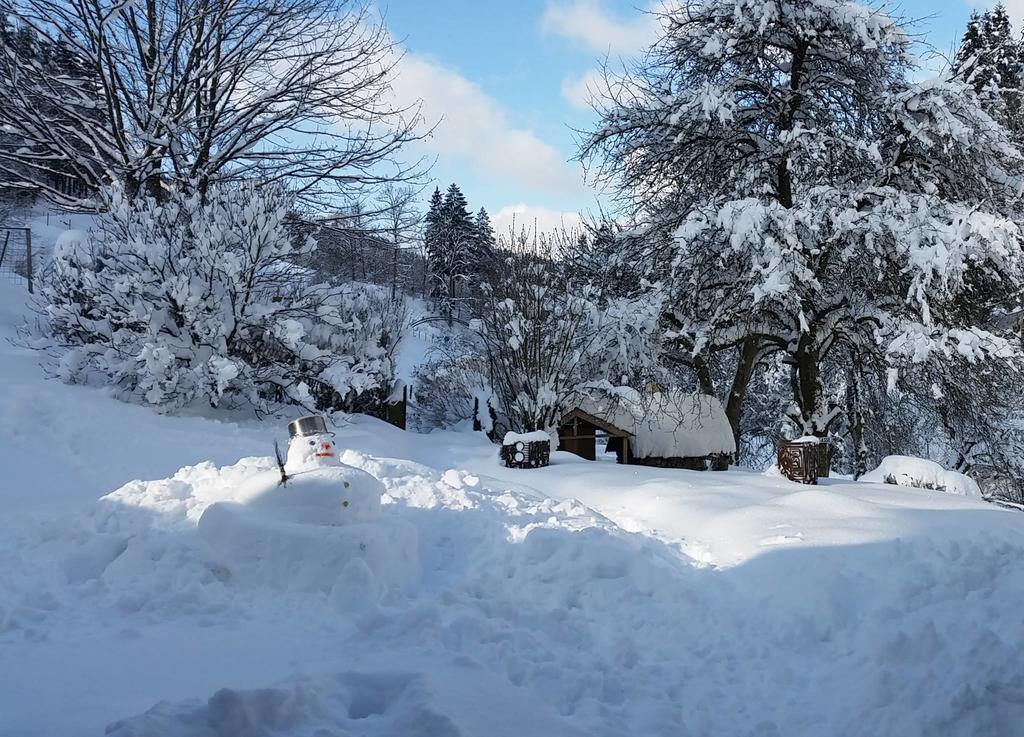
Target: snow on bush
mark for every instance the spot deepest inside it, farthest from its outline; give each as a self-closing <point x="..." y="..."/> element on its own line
<point x="451" y="384"/>
<point x="545" y="332"/>
<point x="187" y="300"/>
<point x="922" y="474"/>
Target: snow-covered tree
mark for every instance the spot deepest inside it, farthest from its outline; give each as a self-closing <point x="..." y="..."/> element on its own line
<point x="453" y="386"/>
<point x="484" y="242"/>
<point x="451" y="246"/>
<point x="989" y="60"/>
<point x="22" y="45"/>
<point x="545" y="334"/>
<point x="188" y="301"/>
<point x="797" y="193"/>
<point x="185" y="93"/>
<point x="398" y="221"/>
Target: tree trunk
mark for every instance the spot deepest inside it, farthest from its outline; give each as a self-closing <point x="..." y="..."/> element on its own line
<point x="855" y="413"/>
<point x="738" y="391"/>
<point x="814" y="415"/>
<point x="809" y="392"/>
<point x="394" y="269"/>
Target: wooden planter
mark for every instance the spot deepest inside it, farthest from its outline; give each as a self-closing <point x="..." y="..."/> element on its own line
<point x="520" y="454"/>
<point x="799" y="462"/>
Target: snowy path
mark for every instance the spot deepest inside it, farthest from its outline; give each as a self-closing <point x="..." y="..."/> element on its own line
<point x="584" y="598"/>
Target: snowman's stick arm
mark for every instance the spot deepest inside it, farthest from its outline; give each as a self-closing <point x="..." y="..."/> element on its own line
<point x="280" y="464"/>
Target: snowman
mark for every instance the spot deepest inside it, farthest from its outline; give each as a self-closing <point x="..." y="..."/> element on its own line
<point x="302" y="525"/>
<point x="313" y="486"/>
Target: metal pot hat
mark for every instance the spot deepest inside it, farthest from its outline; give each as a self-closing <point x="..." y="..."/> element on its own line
<point x="312" y="425"/>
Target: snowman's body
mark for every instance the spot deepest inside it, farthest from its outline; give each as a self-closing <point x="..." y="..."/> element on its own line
<point x="301" y="534"/>
<point x="319" y="488"/>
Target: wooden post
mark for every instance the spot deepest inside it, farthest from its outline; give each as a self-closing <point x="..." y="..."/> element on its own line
<point x="28" y="258"/>
<point x="3" y="251"/>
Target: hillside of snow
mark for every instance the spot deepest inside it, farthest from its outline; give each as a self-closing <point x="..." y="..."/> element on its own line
<point x="581" y="599"/>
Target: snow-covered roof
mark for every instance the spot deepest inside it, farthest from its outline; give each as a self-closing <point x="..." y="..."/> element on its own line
<point x="663" y="424"/>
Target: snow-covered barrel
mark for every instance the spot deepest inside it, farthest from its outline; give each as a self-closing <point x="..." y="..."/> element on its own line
<point x="526" y="450"/>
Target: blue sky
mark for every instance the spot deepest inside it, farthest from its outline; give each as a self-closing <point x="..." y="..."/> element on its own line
<point x="507" y="80"/>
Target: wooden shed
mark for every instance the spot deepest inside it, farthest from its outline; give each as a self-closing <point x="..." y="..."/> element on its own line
<point x="578" y="431"/>
<point x="669" y="429"/>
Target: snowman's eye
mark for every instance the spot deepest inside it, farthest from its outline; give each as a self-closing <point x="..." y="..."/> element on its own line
<point x="312" y="442"/>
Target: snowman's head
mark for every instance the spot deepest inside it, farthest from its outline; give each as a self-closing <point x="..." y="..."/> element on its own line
<point x="311" y="451"/>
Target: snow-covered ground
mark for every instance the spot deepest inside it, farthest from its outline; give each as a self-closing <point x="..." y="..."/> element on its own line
<point x="48" y="224"/>
<point x="580" y="599"/>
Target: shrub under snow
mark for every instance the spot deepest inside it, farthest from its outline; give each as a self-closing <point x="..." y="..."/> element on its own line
<point x="188" y="300"/>
<point x="922" y="474"/>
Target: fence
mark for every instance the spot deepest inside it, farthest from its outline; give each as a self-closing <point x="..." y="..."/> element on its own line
<point x="16" y="262"/>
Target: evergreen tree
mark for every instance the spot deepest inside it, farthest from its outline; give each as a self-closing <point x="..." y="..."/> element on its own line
<point x="989" y="60"/>
<point x="460" y="251"/>
<point x="1004" y="57"/>
<point x="971" y="52"/>
<point x="449" y="239"/>
<point x="457" y="245"/>
<point x="484" y="239"/>
<point x="433" y="224"/>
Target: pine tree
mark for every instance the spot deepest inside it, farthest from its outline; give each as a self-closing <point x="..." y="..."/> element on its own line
<point x="450" y="241"/>
<point x="457" y="244"/>
<point x="460" y="251"/>
<point x="989" y="60"/>
<point x="433" y="224"/>
<point x="971" y="54"/>
<point x="484" y="240"/>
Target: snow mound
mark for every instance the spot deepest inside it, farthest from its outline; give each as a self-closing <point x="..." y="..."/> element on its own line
<point x="851" y="609"/>
<point x="377" y="703"/>
<point x="350" y="703"/>
<point x="307" y="534"/>
<point x="69" y="240"/>
<point x="260" y="549"/>
<point x="923" y="474"/>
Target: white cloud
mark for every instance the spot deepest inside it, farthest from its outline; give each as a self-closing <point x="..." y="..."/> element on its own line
<point x="514" y="218"/>
<point x="587" y="22"/>
<point x="578" y="91"/>
<point x="476" y="128"/>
